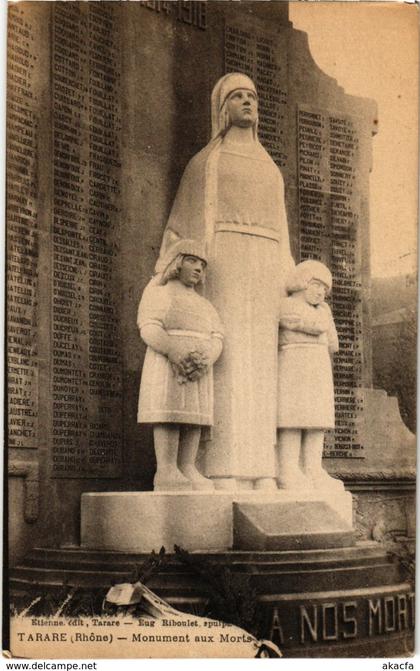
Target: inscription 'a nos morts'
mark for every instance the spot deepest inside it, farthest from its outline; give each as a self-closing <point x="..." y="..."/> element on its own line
<point x="340" y="619"/>
<point x="86" y="373"/>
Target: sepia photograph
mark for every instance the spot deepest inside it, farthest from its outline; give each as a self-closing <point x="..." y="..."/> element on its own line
<point x="211" y="328"/>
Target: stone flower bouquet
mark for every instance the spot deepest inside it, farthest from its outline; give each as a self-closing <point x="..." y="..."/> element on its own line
<point x="193" y="366"/>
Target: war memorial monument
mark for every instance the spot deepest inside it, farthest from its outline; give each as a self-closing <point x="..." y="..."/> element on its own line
<point x="192" y="158"/>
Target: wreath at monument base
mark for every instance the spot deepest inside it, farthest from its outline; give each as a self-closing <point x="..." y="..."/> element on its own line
<point x="231" y="595"/>
<point x="228" y="595"/>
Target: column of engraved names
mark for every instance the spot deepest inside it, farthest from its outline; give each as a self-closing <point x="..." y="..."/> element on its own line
<point x="256" y="55"/>
<point x="328" y="220"/>
<point x="86" y="359"/>
<point x="239" y="50"/>
<point x="70" y="242"/>
<point x="105" y="383"/>
<point x="22" y="231"/>
<point x="346" y="300"/>
<point x="270" y="79"/>
<point x="314" y="220"/>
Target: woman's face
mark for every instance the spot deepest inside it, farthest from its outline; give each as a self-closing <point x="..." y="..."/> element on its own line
<point x="242" y="107"/>
<point x="315" y="292"/>
<point x="192" y="270"/>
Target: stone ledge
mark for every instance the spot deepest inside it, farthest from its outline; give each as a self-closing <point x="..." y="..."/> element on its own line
<point x="197" y="521"/>
<point x="301" y="525"/>
<point x="146" y="521"/>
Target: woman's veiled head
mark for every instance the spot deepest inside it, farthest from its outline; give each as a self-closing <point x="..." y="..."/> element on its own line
<point x="225" y="87"/>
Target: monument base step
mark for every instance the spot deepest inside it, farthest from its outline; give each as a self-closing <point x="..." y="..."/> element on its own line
<point x="340" y="602"/>
<point x="202" y="521"/>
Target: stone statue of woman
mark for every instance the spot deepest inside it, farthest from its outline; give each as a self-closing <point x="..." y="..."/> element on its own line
<point x="231" y="198"/>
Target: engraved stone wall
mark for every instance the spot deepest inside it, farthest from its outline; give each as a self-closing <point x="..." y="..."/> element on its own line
<point x="329" y="216"/>
<point x="86" y="355"/>
<point x="22" y="231"/>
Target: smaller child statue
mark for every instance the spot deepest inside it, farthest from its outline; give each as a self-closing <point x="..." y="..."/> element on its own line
<point x="305" y="406"/>
<point x="184" y="336"/>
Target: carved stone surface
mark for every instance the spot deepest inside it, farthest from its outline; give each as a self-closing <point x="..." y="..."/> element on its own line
<point x="385" y="516"/>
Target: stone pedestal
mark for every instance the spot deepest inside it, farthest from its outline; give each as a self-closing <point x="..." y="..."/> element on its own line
<point x="144" y="521"/>
<point x="342" y="602"/>
<point x="199" y="521"/>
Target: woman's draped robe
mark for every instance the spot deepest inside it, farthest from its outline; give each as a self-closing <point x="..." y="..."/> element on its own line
<point x="232" y="197"/>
